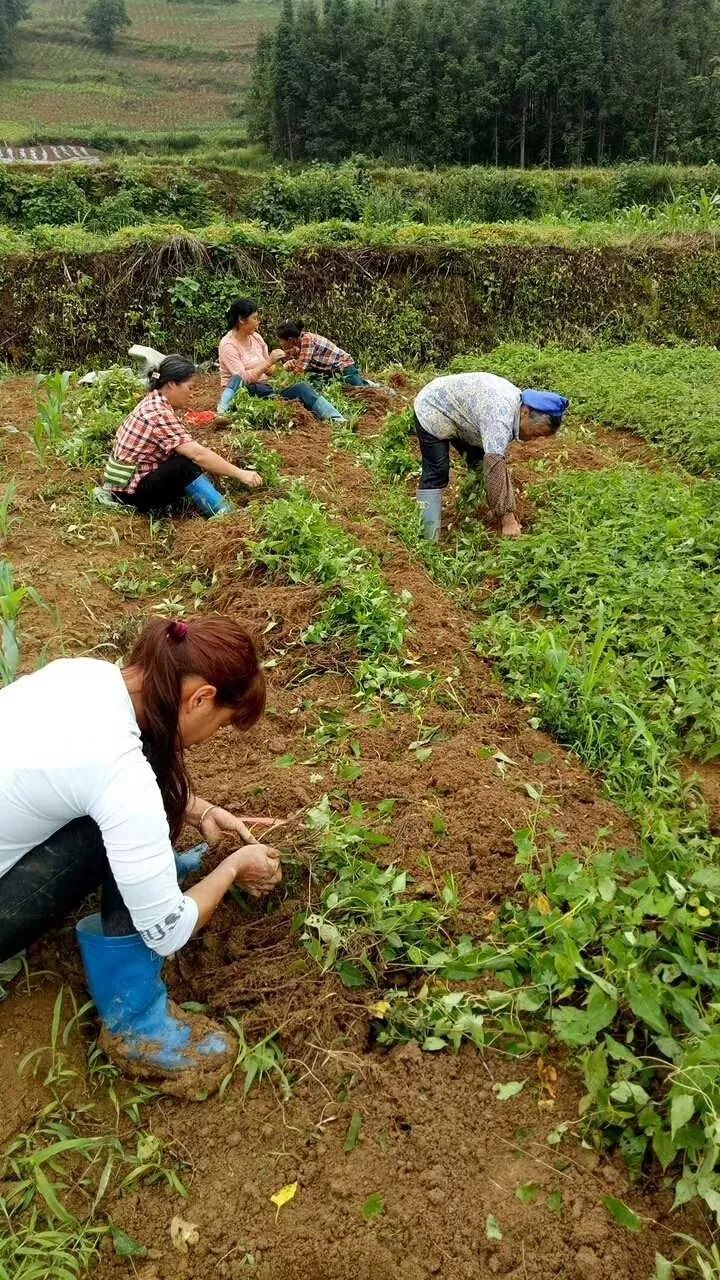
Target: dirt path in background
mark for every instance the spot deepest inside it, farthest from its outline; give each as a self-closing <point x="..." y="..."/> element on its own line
<point x="435" y="1143"/>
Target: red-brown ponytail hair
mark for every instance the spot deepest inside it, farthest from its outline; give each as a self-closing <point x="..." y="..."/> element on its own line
<point x="219" y="651"/>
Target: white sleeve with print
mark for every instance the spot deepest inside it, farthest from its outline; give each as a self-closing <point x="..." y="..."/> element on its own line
<point x="131" y="818"/>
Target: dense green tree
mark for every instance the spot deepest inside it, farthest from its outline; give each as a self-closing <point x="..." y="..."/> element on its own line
<point x="105" y="18"/>
<point x="11" y="12"/>
<point x="515" y="82"/>
<point x="291" y="79"/>
<point x="261" y="103"/>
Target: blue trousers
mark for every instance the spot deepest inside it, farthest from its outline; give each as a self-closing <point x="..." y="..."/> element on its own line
<point x="301" y="391"/>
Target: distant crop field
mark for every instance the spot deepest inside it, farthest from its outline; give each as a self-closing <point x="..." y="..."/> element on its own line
<point x="177" y="65"/>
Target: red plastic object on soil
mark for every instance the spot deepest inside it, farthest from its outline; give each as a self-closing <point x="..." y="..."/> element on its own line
<point x="200" y="417"/>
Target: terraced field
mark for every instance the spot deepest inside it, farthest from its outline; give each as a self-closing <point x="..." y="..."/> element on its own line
<point x="177" y="66"/>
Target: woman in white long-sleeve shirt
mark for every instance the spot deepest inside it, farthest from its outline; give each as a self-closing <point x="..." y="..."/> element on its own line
<point x="93" y="790"/>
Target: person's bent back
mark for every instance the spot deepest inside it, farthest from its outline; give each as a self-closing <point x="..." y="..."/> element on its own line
<point x="480" y="415"/>
<point x="93" y="791"/>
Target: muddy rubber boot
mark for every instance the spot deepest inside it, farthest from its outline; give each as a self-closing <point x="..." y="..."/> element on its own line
<point x="430" y="502"/>
<point x="325" y="411"/>
<point x="144" y="1033"/>
<point x="207" y="499"/>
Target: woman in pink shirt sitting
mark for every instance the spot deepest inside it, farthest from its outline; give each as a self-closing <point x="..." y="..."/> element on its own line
<point x="245" y="361"/>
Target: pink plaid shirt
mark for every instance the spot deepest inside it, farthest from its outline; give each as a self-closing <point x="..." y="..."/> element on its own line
<point x="146" y="438"/>
<point x="320" y="355"/>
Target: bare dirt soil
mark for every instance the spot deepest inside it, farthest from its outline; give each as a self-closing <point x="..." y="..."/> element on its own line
<point x="435" y="1143"/>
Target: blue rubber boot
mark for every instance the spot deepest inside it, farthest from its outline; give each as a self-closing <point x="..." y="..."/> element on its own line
<point x="143" y="1032"/>
<point x="430" y="503"/>
<point x="207" y="499"/>
<point x="186" y="864"/>
<point x="228" y="393"/>
<point x="326" y="411"/>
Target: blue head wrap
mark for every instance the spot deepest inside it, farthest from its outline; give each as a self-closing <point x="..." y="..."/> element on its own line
<point x="546" y="402"/>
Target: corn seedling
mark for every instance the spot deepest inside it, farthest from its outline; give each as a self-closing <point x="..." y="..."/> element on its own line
<point x="49" y="425"/>
<point x="12" y="600"/>
<point x="7" y="518"/>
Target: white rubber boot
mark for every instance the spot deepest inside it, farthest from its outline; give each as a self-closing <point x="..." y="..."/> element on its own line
<point x="430" y="502"/>
<point x="147" y="357"/>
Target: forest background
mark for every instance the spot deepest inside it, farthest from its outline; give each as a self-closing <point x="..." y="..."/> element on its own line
<point x="516" y="83"/>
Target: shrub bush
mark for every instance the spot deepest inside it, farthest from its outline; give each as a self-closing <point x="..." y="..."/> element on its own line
<point x="656" y="184"/>
<point x="486" y="195"/>
<point x="236" y="183"/>
<point x="315" y="195"/>
<point x="56" y="203"/>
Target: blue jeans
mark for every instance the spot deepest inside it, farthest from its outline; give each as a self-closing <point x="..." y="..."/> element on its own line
<point x="301" y="391"/>
<point x="353" y="377"/>
<point x="51" y="880"/>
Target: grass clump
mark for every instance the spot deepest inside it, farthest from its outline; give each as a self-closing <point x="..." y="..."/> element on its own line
<point x="57" y="1176"/>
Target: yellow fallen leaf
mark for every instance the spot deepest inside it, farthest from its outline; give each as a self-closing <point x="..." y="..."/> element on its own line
<point x="183" y="1233"/>
<point x="542" y="904"/>
<point x="284" y="1195"/>
<point x="381" y="1009"/>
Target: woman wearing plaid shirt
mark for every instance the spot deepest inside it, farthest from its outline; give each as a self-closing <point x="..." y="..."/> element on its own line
<point x="247" y="364"/>
<point x="311" y="353"/>
<point x="154" y="460"/>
